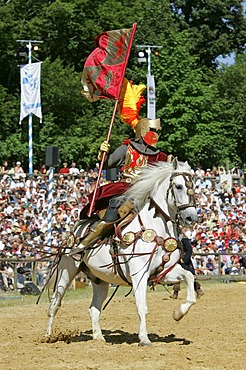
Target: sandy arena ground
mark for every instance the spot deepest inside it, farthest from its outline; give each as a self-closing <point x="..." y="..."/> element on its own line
<point x="212" y="336"/>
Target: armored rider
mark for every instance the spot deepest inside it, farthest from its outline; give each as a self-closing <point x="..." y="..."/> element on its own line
<point x="132" y="156"/>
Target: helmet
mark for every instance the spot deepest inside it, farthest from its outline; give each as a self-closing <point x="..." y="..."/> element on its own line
<point x="146" y="128"/>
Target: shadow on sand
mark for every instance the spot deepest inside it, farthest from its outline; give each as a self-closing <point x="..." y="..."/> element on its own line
<point x="118" y="337"/>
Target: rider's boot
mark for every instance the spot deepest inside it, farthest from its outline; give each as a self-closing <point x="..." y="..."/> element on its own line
<point x="176" y="289"/>
<point x="198" y="290"/>
<point x="101" y="229"/>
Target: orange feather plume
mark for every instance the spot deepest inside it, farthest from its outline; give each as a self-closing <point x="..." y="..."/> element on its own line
<point x="130" y="102"/>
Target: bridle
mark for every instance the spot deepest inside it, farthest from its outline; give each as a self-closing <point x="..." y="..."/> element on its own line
<point x="190" y="191"/>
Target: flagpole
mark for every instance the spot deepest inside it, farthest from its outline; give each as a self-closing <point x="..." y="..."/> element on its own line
<point x="30" y="150"/>
<point x="30" y="135"/>
<point x="103" y="158"/>
<point x="113" y="117"/>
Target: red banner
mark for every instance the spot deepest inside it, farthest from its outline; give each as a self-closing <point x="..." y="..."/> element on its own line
<point x="105" y="67"/>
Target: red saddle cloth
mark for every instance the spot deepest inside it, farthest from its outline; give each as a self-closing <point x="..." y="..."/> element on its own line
<point x="103" y="195"/>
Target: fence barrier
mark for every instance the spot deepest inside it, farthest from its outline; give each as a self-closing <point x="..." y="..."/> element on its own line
<point x="20" y="262"/>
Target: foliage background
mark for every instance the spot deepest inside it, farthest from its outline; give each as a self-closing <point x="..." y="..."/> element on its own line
<point x="201" y="103"/>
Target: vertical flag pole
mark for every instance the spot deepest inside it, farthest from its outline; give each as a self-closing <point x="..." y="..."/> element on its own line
<point x="30" y="150"/>
<point x="30" y="96"/>
<point x="103" y="159"/>
<point x="50" y="204"/>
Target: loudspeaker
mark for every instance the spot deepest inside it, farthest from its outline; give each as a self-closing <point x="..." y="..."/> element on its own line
<point x="30" y="289"/>
<point x="112" y="174"/>
<point x="52" y="156"/>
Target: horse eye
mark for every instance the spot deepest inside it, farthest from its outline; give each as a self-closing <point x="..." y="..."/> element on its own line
<point x="179" y="187"/>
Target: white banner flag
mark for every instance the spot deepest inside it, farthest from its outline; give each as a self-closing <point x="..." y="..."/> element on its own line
<point x="30" y="90"/>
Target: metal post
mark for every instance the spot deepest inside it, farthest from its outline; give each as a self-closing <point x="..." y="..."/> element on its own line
<point x="151" y="110"/>
<point x="148" y="51"/>
<point x="151" y="96"/>
<point x="50" y="205"/>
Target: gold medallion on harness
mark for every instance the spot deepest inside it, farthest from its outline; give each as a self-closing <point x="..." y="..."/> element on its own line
<point x="160" y="240"/>
<point x="190" y="191"/>
<point x="71" y="240"/>
<point x="148" y="235"/>
<point x="170" y="244"/>
<point x="166" y="258"/>
<point x="129" y="237"/>
<point x="189" y="184"/>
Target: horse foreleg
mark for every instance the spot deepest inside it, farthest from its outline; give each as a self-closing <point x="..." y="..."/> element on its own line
<point x="64" y="279"/>
<point x="184" y="308"/>
<point x="100" y="292"/>
<point x="140" y="291"/>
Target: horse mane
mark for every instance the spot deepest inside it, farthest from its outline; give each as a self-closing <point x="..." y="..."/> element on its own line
<point x="150" y="180"/>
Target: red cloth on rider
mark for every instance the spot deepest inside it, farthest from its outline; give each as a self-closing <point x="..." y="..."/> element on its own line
<point x="103" y="195"/>
<point x="161" y="156"/>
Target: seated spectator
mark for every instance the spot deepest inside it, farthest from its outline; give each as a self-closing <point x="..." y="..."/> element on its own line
<point x="74" y="171"/>
<point x="69" y="182"/>
<point x="30" y="182"/>
<point x="92" y="176"/>
<point x="209" y="268"/>
<point x="234" y="270"/>
<point x="208" y="173"/>
<point x="199" y="171"/>
<point x="237" y="171"/>
<point x="227" y="267"/>
<point x="7" y="274"/>
<point x="197" y="263"/>
<point x="18" y="170"/>
<point x="64" y="170"/>
<point x="203" y="183"/>
<point x="43" y="169"/>
<point x="5" y="167"/>
<point x="61" y="182"/>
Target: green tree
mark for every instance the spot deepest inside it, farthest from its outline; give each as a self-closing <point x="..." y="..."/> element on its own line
<point x="199" y="111"/>
<point x="216" y="27"/>
<point x="231" y="84"/>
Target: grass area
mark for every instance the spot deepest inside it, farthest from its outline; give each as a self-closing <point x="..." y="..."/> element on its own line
<point x="10" y="299"/>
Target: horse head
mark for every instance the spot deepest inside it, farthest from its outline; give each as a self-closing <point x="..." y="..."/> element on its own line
<point x="170" y="186"/>
<point x="181" y="195"/>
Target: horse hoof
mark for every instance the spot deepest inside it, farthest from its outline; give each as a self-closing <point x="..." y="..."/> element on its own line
<point x="174" y="295"/>
<point x="199" y="293"/>
<point x="145" y="343"/>
<point x="177" y="315"/>
<point x="99" y="337"/>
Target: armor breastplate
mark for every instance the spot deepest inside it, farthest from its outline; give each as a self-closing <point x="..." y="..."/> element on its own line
<point x="134" y="162"/>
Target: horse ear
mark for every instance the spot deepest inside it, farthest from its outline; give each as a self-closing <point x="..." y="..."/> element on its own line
<point x="175" y="163"/>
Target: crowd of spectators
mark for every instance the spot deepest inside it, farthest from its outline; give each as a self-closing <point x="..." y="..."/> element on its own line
<point x="221" y="207"/>
<point x="220" y="234"/>
<point x="24" y="209"/>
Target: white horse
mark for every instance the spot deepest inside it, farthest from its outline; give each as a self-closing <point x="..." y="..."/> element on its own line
<point x="145" y="249"/>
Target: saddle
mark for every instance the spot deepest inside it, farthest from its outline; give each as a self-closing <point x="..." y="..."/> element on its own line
<point x="95" y="229"/>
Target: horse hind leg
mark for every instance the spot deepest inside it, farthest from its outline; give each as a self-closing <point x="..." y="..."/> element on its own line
<point x="67" y="270"/>
<point x="100" y="292"/>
